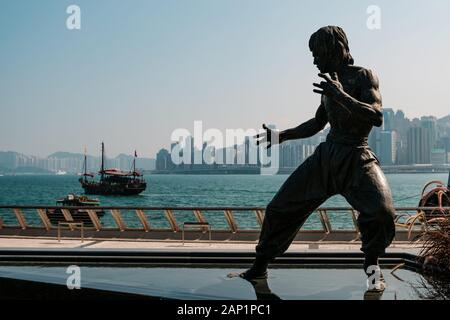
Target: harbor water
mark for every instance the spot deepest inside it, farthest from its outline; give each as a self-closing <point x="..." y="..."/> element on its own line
<point x="192" y="191"/>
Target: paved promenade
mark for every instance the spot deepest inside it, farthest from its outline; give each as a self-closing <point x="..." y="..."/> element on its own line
<point x="176" y="245"/>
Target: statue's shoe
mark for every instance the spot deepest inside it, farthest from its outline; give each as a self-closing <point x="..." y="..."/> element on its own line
<point x="376" y="290"/>
<point x="249" y="275"/>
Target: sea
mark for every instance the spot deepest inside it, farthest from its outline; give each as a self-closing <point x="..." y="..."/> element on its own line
<point x="192" y="191"/>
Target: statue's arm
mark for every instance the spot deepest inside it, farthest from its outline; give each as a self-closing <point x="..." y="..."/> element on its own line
<point x="370" y="106"/>
<point x="308" y="128"/>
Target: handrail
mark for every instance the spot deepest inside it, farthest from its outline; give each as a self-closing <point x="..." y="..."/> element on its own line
<point x="194" y="208"/>
<point x="169" y="213"/>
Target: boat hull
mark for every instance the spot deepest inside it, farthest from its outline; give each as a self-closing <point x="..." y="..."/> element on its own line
<point x="113" y="189"/>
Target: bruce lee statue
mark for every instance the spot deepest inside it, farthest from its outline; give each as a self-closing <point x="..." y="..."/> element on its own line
<point x="343" y="164"/>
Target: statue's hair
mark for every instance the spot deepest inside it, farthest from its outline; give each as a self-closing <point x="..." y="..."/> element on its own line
<point x="334" y="41"/>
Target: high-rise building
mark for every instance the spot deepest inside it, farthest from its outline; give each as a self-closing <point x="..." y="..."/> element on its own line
<point x="163" y="160"/>
<point x="438" y="156"/>
<point x="430" y="123"/>
<point x="402" y="152"/>
<point x="293" y="153"/>
<point x="401" y="125"/>
<point x="419" y="145"/>
<point x="388" y="119"/>
<point x="247" y="150"/>
<point x="375" y="139"/>
<point x="388" y="148"/>
<point x="446" y="144"/>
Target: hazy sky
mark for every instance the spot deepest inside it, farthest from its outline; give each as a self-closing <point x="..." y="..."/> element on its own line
<point x="137" y="70"/>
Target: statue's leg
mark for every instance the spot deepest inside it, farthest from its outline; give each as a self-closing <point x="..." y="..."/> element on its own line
<point x="281" y="226"/>
<point x="299" y="196"/>
<point x="372" y="198"/>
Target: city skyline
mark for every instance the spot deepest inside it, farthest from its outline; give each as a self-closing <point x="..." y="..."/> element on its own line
<point x="12" y="162"/>
<point x="134" y="73"/>
<point x="386" y="125"/>
<point x="399" y="141"/>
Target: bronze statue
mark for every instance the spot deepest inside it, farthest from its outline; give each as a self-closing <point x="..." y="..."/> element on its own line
<point x="344" y="164"/>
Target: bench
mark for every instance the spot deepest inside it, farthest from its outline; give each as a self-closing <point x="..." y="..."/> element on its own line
<point x="201" y="225"/>
<point x="71" y="226"/>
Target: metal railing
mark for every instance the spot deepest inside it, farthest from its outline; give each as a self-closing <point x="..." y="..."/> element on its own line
<point x="141" y="222"/>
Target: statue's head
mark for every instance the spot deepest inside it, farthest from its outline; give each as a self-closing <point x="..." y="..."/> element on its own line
<point x="329" y="46"/>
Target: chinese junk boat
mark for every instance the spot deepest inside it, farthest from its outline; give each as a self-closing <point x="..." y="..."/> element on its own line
<point x="79" y="215"/>
<point x="113" y="181"/>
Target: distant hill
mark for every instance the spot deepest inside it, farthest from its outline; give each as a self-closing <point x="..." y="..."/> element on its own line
<point x="11" y="159"/>
<point x="66" y="155"/>
<point x="11" y="162"/>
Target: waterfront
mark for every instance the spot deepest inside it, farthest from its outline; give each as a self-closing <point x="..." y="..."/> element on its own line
<point x="194" y="190"/>
<point x="190" y="190"/>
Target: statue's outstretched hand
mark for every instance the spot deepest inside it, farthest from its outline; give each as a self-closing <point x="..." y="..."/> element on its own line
<point x="272" y="137"/>
<point x="331" y="87"/>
